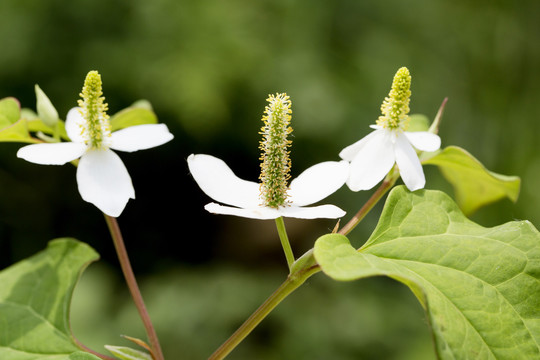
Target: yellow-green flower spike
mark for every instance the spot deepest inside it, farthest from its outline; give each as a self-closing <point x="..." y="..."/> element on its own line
<point x="96" y="129"/>
<point x="395" y="107"/>
<point x="275" y="161"/>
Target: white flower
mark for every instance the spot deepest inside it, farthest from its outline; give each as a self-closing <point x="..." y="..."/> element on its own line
<point x="219" y="182"/>
<point x="102" y="178"/>
<point x="374" y="156"/>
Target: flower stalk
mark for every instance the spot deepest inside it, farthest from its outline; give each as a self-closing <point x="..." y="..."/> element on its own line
<point x="127" y="270"/>
<point x="280" y="224"/>
<point x="386" y="185"/>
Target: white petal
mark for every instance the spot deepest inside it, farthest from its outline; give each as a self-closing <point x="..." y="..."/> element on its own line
<point x="350" y="151"/>
<point x="140" y="137"/>
<point x="104" y="181"/>
<point x="52" y="154"/>
<point x="373" y="162"/>
<point x="261" y="212"/>
<point x="318" y="182"/>
<point x="75" y="124"/>
<point x="315" y="212"/>
<point x="410" y="168"/>
<point x="218" y="181"/>
<point x="423" y="140"/>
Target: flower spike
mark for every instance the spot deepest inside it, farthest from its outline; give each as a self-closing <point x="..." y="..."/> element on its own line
<point x="96" y="129"/>
<point x="276" y="163"/>
<point x="395" y="107"/>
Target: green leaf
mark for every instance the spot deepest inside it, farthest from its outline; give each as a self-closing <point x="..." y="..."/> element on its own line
<point x="28" y="114"/>
<point x="474" y="185"/>
<point x="126" y="353"/>
<point x="12" y="127"/>
<point x="10" y="111"/>
<point x="35" y="300"/>
<point x="480" y="286"/>
<point x="418" y="122"/>
<point x="143" y="103"/>
<point x="35" y="124"/>
<point x="17" y="132"/>
<point x="135" y="115"/>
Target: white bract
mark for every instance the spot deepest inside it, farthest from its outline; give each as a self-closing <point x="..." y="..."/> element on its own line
<point x="219" y="182"/>
<point x="102" y="178"/>
<point x="373" y="157"/>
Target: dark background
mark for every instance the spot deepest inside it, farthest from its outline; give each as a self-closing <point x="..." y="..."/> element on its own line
<point x="207" y="68"/>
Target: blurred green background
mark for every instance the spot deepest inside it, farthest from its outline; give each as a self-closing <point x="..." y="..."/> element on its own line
<point x="207" y="67"/>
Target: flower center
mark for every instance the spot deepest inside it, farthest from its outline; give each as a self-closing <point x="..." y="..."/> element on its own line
<point x="395" y="107"/>
<point x="276" y="164"/>
<point x="96" y="128"/>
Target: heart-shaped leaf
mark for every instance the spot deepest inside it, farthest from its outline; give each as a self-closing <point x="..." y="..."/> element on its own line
<point x="480" y="286"/>
<point x="35" y="296"/>
<point x="474" y="185"/>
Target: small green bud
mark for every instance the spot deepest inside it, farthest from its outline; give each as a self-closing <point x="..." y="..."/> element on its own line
<point x="45" y="109"/>
<point x="395" y="107"/>
<point x="96" y="128"/>
<point x="276" y="164"/>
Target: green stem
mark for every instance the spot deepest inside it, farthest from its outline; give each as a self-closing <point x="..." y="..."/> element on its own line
<point x="87" y="349"/>
<point x="121" y="251"/>
<point x="292" y="283"/>
<point x="386" y="185"/>
<point x="56" y="132"/>
<point x="280" y="224"/>
<point x="301" y="270"/>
